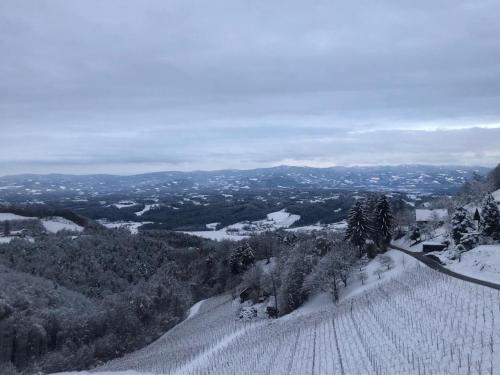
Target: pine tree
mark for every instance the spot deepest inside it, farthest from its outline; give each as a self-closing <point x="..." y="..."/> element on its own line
<point x="6" y="229"/>
<point x="491" y="217"/>
<point x="247" y="256"/>
<point x="296" y="267"/>
<point x="371" y="214"/>
<point x="357" y="226"/>
<point x="494" y="177"/>
<point x="383" y="223"/>
<point x="461" y="224"/>
<point x="241" y="259"/>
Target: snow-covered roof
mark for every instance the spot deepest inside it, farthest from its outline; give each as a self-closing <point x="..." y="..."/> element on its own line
<point x="431" y="215"/>
<point x="496" y="195"/>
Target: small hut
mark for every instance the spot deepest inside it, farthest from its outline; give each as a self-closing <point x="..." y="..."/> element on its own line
<point x="428" y="246"/>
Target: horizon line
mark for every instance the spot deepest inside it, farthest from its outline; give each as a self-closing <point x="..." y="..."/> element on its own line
<point x="253" y="169"/>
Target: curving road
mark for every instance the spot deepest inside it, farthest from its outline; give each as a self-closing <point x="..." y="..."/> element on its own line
<point x="436" y="266"/>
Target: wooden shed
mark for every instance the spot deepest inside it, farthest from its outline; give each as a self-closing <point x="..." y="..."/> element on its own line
<point x="427" y="247"/>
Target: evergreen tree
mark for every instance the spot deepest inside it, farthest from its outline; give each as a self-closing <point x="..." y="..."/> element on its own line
<point x="371" y="214"/>
<point x="297" y="265"/>
<point x="357" y="226"/>
<point x="494" y="177"/>
<point x="6" y="228"/>
<point x="491" y="217"/>
<point x="461" y="224"/>
<point x="383" y="223"/>
<point x="241" y="259"/>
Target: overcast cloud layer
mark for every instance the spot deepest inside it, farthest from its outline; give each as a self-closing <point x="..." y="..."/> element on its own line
<point x="135" y="86"/>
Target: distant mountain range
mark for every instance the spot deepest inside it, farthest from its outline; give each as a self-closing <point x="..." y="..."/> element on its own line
<point x="410" y="178"/>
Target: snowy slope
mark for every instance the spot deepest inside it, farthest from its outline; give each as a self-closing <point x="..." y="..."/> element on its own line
<point x="273" y="221"/>
<point x="132" y="226"/>
<point x="7" y="216"/>
<point x="56" y="224"/>
<point x="482" y="262"/>
<point x="52" y="224"/>
<point x="339" y="226"/>
<point x="147" y="207"/>
<point x="413" y="321"/>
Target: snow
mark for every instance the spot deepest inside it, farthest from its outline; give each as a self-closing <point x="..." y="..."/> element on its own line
<point x="338" y="226"/>
<point x="11" y="187"/>
<point x="212" y="226"/>
<point x="282" y="219"/>
<point x="132" y="226"/>
<point x="318" y="303"/>
<point x="355" y="286"/>
<point x="238" y="231"/>
<point x="7" y="216"/>
<point x="195" y="309"/>
<point x="437" y="236"/>
<point x="412" y="318"/>
<point x="218" y="235"/>
<point x="147" y="207"/>
<point x="308" y="228"/>
<point x="56" y="224"/>
<point x="431" y="215"/>
<point x="481" y="262"/>
<point x="124" y="204"/>
<point x="496" y="195"/>
<point x="412" y="204"/>
<point x="204" y="357"/>
<point x="11" y="238"/>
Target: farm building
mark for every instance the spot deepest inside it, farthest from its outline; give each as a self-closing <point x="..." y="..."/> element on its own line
<point x="423" y="215"/>
<point x="429" y="246"/>
<point x="496" y="195"/>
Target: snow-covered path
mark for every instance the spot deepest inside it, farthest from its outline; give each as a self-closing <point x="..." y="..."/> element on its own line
<point x="461" y="274"/>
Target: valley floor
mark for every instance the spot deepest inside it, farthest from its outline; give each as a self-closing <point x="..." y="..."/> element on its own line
<point x="413" y="320"/>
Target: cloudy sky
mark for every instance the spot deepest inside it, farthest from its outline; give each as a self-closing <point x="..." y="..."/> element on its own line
<point x="130" y="86"/>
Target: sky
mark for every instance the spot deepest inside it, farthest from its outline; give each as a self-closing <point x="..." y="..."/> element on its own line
<point x="121" y="86"/>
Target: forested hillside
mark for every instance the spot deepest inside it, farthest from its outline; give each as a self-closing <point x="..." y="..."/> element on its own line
<point x="72" y="300"/>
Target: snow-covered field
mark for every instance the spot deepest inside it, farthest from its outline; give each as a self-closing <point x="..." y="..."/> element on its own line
<point x="340" y="226"/>
<point x="413" y="320"/>
<point x="52" y="224"/>
<point x="132" y="226"/>
<point x="56" y="224"/>
<point x="7" y="216"/>
<point x="482" y="262"/>
<point x="273" y="221"/>
<point x="8" y="239"/>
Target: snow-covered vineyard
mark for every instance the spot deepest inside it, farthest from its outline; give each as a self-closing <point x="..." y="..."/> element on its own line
<point x="419" y="322"/>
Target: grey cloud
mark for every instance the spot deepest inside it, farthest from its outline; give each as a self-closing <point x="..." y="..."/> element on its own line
<point x="194" y="84"/>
